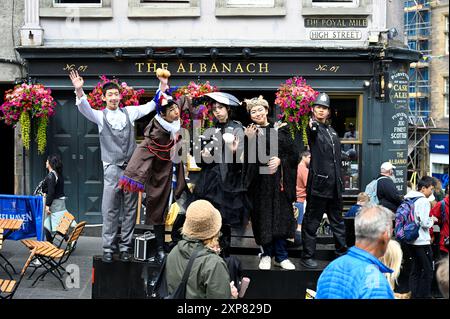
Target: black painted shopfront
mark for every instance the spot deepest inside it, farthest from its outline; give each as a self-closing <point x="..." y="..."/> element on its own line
<point x="366" y="86"/>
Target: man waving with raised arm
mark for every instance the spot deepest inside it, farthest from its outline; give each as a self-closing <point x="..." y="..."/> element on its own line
<point x="117" y="143"/>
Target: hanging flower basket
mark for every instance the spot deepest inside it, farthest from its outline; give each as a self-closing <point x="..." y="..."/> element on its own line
<point x="128" y="95"/>
<point x="201" y="106"/>
<point x="27" y="102"/>
<point x="295" y="99"/>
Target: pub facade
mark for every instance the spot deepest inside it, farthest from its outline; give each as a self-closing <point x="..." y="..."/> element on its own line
<point x="345" y="51"/>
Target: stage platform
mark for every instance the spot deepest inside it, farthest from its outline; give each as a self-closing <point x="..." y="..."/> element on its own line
<point x="128" y="280"/>
<point x="119" y="280"/>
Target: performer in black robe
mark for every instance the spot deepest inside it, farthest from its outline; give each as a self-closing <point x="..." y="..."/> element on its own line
<point x="271" y="184"/>
<point x="221" y="179"/>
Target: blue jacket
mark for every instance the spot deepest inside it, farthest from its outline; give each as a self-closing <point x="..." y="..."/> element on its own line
<point x="353" y="211"/>
<point x="356" y="275"/>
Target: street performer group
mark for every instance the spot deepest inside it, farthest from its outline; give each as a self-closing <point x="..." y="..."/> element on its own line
<point x="246" y="173"/>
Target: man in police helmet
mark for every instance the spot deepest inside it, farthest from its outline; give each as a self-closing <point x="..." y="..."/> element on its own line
<point x="325" y="185"/>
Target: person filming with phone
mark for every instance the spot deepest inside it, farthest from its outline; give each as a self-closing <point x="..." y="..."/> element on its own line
<point x="325" y="186"/>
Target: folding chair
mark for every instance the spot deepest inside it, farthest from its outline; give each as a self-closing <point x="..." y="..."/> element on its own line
<point x="7" y="263"/>
<point x="9" y="287"/>
<point x="61" y="235"/>
<point x="62" y="231"/>
<point x="52" y="257"/>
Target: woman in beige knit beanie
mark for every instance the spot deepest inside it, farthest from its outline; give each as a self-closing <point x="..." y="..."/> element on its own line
<point x="209" y="277"/>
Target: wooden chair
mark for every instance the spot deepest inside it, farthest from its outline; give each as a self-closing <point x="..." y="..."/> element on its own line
<point x="63" y="230"/>
<point x="9" y="287"/>
<point x="61" y="235"/>
<point x="7" y="263"/>
<point x="51" y="257"/>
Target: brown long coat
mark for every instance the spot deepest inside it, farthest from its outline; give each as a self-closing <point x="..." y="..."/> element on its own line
<point x="154" y="169"/>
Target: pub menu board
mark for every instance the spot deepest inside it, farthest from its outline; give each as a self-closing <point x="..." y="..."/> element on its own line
<point x="395" y="140"/>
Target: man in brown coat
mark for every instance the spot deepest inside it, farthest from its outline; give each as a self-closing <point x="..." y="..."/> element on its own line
<point x="152" y="169"/>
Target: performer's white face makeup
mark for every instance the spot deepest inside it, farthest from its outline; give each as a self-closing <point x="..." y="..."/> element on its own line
<point x="172" y="114"/>
<point x="258" y="114"/>
<point x="321" y="113"/>
<point x="220" y="112"/>
<point x="112" y="99"/>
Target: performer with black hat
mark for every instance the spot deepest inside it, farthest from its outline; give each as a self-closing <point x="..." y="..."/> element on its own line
<point x="325" y="185"/>
<point x="221" y="180"/>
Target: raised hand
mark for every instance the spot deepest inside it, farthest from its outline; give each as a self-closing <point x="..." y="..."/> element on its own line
<point x="77" y="80"/>
<point x="251" y="131"/>
<point x="164" y="83"/>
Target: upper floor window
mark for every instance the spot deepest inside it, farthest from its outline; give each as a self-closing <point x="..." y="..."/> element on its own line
<point x="251" y="3"/>
<point x="337" y="7"/>
<point x="446" y="112"/>
<point x="334" y="3"/>
<point x="165" y="1"/>
<point x="75" y="8"/>
<point x="163" y="8"/>
<point x="252" y="8"/>
<point x="77" y="3"/>
<point x="446" y="35"/>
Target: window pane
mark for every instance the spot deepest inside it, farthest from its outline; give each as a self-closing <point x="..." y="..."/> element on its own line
<point x="78" y="1"/>
<point x="165" y="1"/>
<point x="251" y="3"/>
<point x="350" y="169"/>
<point x="332" y="1"/>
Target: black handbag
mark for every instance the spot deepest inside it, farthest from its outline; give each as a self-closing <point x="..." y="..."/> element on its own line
<point x="159" y="289"/>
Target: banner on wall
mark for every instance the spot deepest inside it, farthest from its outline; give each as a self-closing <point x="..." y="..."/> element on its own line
<point x="28" y="208"/>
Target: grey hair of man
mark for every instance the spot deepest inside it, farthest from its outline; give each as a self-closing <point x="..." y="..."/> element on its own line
<point x="372" y="222"/>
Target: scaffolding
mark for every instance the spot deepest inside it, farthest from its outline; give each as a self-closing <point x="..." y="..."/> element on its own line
<point x="417" y="19"/>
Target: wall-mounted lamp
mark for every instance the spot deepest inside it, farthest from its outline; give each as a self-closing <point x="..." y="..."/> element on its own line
<point x="247" y="52"/>
<point x="118" y="53"/>
<point x="366" y="83"/>
<point x="214" y="52"/>
<point x="149" y="52"/>
<point x="179" y="53"/>
<point x="392" y="33"/>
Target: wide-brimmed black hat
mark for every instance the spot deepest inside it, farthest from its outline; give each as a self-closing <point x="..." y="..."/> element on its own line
<point x="224" y="98"/>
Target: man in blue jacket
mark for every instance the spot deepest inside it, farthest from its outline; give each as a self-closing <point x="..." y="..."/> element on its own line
<point x="359" y="274"/>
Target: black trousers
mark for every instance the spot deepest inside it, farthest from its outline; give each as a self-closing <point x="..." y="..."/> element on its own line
<point x="315" y="208"/>
<point x="421" y="275"/>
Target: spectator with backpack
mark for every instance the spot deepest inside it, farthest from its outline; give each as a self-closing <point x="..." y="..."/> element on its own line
<point x="440" y="211"/>
<point x="208" y="277"/>
<point x="420" y="251"/>
<point x="382" y="191"/>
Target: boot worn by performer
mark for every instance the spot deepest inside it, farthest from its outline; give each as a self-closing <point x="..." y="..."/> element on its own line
<point x="308" y="263"/>
<point x="125" y="256"/>
<point x="107" y="257"/>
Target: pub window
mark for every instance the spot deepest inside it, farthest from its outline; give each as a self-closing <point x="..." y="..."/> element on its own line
<point x="75" y="8"/>
<point x="446" y="112"/>
<point x="347" y="122"/>
<point x="163" y="8"/>
<point x="257" y="7"/>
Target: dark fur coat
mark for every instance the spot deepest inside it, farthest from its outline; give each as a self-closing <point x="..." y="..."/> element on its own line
<point x="271" y="196"/>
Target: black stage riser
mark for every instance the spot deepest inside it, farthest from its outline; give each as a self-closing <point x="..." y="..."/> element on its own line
<point x="120" y="280"/>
